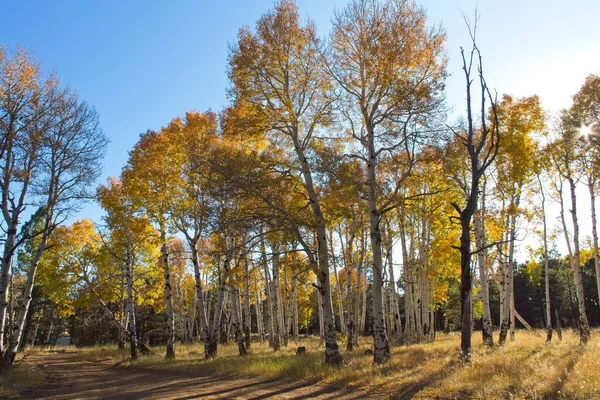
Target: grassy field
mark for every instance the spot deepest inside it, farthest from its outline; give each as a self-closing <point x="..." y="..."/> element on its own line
<point x="526" y="368"/>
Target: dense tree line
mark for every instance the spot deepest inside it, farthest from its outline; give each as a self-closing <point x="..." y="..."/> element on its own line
<point x="332" y="196"/>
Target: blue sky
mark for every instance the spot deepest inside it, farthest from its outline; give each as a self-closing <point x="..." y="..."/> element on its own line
<point x="141" y="63"/>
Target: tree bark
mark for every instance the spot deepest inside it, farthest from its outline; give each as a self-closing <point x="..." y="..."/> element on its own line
<point x="337" y="287"/>
<point x="295" y="305"/>
<point x="395" y="321"/>
<point x="359" y="269"/>
<point x="201" y="309"/>
<point x="9" y="249"/>
<point x="133" y="343"/>
<point x="169" y="296"/>
<point x="276" y="295"/>
<point x="465" y="280"/>
<point x="13" y="345"/>
<point x="270" y="325"/>
<point x="236" y="320"/>
<point x="487" y="331"/>
<point x="558" y="324"/>
<point x="591" y="187"/>
<point x="247" y="315"/>
<point x="210" y="343"/>
<point x="259" y="311"/>
<point x="546" y="265"/>
<point x="332" y="353"/>
<point x="348" y="259"/>
<point x="507" y="314"/>
<point x="381" y="352"/>
<point x="584" y="327"/>
<point x="320" y="311"/>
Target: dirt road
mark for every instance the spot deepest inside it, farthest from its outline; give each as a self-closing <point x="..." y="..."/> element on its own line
<point x="72" y="378"/>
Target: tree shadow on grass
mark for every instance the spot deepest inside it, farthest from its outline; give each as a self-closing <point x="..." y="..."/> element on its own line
<point x="409" y="390"/>
<point x="561" y="382"/>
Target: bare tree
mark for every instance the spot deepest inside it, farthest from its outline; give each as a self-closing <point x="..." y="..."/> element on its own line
<point x="70" y="156"/>
<point x="27" y="102"/>
<point x="481" y="144"/>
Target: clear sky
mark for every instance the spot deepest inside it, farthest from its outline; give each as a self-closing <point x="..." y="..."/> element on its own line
<point x="141" y="63"/>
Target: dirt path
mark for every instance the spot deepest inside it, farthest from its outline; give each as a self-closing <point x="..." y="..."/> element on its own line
<point x="71" y="378"/>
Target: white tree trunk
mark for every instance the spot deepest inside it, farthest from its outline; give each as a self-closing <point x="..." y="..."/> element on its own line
<point x="169" y="296"/>
<point x="584" y="327"/>
<point x="131" y="306"/>
<point x="337" y="287"/>
<point x="17" y="335"/>
<point x="247" y="314"/>
<point x="591" y="187"/>
<point x="276" y="295"/>
<point x="210" y="343"/>
<point x="236" y="320"/>
<point x="320" y="311"/>
<point x="259" y="311"/>
<point x="487" y="331"/>
<point x="295" y="305"/>
<point x="201" y="309"/>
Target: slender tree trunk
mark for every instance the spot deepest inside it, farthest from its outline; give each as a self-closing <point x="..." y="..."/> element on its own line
<point x="363" y="316"/>
<point x="271" y="314"/>
<point x="270" y="325"/>
<point x="209" y="311"/>
<point x="359" y="269"/>
<point x="259" y="311"/>
<point x="591" y="187"/>
<point x="210" y="344"/>
<point x="584" y="328"/>
<point x="396" y="322"/>
<point x="180" y="306"/>
<point x="247" y="315"/>
<point x="381" y="352"/>
<point x="285" y="300"/>
<point x="201" y="309"/>
<point x="350" y="331"/>
<point x="479" y="226"/>
<point x="337" y="287"/>
<point x="511" y="257"/>
<point x="465" y="286"/>
<point x="133" y="343"/>
<point x="558" y="324"/>
<point x="169" y="296"/>
<point x="332" y="353"/>
<point x="295" y="305"/>
<point x="236" y="320"/>
<point x="9" y="249"/>
<point x="13" y="344"/>
<point x="394" y="308"/>
<point x="507" y="314"/>
<point x="348" y="257"/>
<point x="501" y="282"/>
<point x="122" y="309"/>
<point x="320" y="311"/>
<point x="407" y="275"/>
<point x="276" y="294"/>
<point x="546" y="266"/>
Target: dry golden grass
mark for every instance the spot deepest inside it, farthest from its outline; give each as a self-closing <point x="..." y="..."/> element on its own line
<point x="526" y="368"/>
<point x="22" y="378"/>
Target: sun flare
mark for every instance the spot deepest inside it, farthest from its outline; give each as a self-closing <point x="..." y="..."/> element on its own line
<point x="585" y="131"/>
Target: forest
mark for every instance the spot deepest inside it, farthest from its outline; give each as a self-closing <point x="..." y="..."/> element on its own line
<point x="332" y="208"/>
